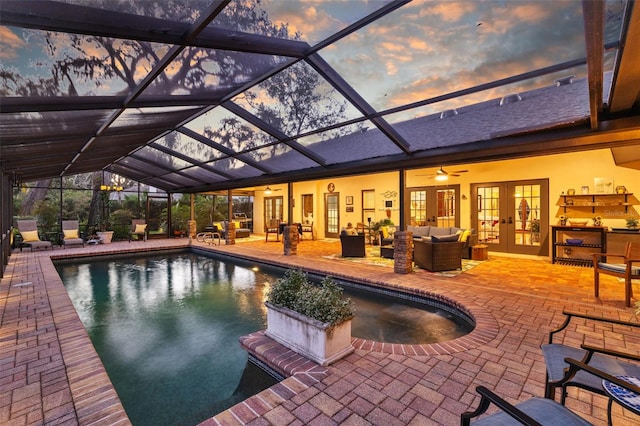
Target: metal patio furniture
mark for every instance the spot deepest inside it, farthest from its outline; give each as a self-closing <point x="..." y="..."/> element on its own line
<point x="610" y="361"/>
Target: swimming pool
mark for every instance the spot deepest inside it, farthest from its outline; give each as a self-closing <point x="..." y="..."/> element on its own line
<point x="167" y="327"/>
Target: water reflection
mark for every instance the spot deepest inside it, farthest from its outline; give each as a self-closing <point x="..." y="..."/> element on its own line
<point x="167" y="328"/>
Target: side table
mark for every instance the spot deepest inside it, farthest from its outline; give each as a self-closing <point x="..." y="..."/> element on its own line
<point x="480" y="252"/>
<point x="626" y="398"/>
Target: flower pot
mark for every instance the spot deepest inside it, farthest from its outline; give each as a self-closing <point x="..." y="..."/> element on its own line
<point x="105" y="236"/>
<point x="318" y="341"/>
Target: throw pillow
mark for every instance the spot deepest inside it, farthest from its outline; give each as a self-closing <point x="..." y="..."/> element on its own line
<point x="464" y="235"/>
<point x="140" y="228"/>
<point x="444" y="238"/>
<point x="30" y="236"/>
<point x="70" y="233"/>
<point x="385" y="231"/>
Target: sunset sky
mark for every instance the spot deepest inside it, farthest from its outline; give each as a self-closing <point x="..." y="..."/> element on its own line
<point x="423" y="49"/>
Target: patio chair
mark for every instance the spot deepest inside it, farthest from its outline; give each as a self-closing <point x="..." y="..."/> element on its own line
<point x="138" y="228"/>
<point x="610" y="361"/>
<point x="29" y="233"/>
<point x="624" y="269"/>
<point x="352" y="245"/>
<point x="272" y="227"/>
<point x="536" y="411"/>
<point x="308" y="229"/>
<point x="71" y="233"/>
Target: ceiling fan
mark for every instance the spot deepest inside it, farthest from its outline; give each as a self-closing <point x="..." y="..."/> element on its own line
<point x="442" y="174"/>
<point x="268" y="190"/>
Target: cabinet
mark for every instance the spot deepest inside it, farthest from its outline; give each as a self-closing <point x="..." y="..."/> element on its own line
<point x="594" y="240"/>
<point x="591" y="202"/>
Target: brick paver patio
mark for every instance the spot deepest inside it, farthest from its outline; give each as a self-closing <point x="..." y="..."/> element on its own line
<point x="50" y="373"/>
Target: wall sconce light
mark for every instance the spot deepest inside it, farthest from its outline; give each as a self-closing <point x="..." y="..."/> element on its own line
<point x="464" y="197"/>
<point x="267" y="190"/>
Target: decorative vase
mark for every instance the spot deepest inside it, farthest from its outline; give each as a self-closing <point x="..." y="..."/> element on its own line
<point x="105" y="236"/>
<point x="318" y="341"/>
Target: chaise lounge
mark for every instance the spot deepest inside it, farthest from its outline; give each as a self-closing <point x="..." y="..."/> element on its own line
<point x="30" y="238"/>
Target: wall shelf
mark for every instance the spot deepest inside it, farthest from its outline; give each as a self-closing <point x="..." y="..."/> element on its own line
<point x="593" y="201"/>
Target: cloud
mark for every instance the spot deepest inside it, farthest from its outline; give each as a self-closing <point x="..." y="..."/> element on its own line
<point x="10" y="43"/>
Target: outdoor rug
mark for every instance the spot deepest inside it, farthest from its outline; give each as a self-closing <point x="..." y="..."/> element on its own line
<point x="373" y="258"/>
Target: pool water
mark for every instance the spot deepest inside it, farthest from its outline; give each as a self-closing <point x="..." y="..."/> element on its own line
<point x="167" y="327"/>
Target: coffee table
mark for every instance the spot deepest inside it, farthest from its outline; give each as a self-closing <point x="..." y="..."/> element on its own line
<point x="626" y="398"/>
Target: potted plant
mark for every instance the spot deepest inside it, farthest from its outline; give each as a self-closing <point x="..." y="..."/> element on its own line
<point x="535" y="231"/>
<point x="632" y="222"/>
<point x="314" y="321"/>
<point x="103" y="232"/>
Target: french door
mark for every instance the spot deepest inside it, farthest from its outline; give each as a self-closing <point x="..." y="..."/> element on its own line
<point x="273" y="209"/>
<point x="512" y="217"/>
<point x="433" y="205"/>
<point x="332" y="215"/>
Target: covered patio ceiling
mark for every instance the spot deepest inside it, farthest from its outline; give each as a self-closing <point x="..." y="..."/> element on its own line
<point x="195" y="95"/>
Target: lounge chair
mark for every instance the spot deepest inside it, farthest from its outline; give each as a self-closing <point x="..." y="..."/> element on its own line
<point x="603" y="359"/>
<point x="71" y="233"/>
<point x="537" y="411"/>
<point x="138" y="228"/>
<point x="29" y="233"/>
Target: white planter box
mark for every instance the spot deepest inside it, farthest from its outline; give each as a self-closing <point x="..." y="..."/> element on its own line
<point x="105" y="236"/>
<point x="308" y="337"/>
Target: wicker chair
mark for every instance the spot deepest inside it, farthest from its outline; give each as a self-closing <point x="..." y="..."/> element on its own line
<point x="434" y="257"/>
<point x="537" y="411"/>
<point x="352" y="245"/>
<point x="71" y="233"/>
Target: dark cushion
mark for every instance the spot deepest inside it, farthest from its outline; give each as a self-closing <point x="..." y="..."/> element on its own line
<point x="444" y="238"/>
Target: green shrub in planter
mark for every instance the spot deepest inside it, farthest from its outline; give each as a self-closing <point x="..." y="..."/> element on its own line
<point x="323" y="303"/>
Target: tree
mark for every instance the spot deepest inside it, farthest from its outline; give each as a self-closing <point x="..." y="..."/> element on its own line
<point x="114" y="66"/>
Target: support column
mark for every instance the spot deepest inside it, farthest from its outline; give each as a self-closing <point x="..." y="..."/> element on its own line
<point x="192" y="220"/>
<point x="290" y="238"/>
<point x="230" y="233"/>
<point x="402" y="252"/>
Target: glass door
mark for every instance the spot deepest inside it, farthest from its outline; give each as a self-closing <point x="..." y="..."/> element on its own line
<point x="512" y="217"/>
<point x="332" y="215"/>
<point x="433" y="205"/>
<point x="273" y="210"/>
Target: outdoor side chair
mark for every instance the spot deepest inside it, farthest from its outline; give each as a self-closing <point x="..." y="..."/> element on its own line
<point x="627" y="267"/>
<point x="71" y="233"/>
<point x="139" y="229"/>
<point x="273" y="227"/>
<point x="29" y="233"/>
<point x="537" y="411"/>
<point x="610" y="361"/>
